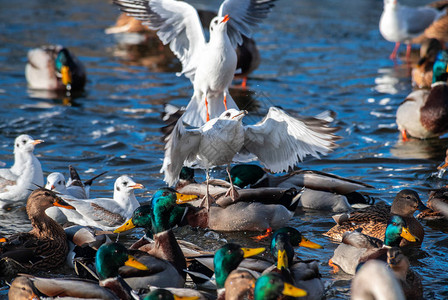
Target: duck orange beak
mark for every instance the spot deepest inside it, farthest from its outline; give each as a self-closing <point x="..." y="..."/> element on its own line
<point x="137" y="186"/>
<point x="226" y="18"/>
<point x="35" y="142"/>
<point x="2" y="240"/>
<point x="443" y="166"/>
<point x="407" y="235"/>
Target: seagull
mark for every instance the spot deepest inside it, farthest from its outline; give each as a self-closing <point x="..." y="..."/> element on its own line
<point x="209" y="65"/>
<point x="104" y="213"/>
<point x="279" y="141"/>
<point x="17" y="182"/>
<point x="73" y="187"/>
<point x="399" y="23"/>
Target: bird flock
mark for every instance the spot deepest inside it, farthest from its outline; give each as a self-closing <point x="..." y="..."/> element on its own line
<point x="71" y="228"/>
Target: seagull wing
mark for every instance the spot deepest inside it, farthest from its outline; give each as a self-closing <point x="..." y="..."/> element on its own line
<point x="182" y="145"/>
<point x="281" y="141"/>
<point x="244" y="17"/>
<point x="177" y="23"/>
<point x="418" y="19"/>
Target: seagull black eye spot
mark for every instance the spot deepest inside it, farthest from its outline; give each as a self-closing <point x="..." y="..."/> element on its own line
<point x="24" y="142"/>
<point x="59" y="182"/>
<point x="118" y="188"/>
<point x="125" y="183"/>
<point x="18" y="145"/>
<point x="228" y="114"/>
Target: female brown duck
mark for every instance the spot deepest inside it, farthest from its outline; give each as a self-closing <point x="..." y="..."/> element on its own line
<point x="42" y="248"/>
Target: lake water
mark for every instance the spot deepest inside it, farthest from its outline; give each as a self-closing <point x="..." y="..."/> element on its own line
<point x="314" y="58"/>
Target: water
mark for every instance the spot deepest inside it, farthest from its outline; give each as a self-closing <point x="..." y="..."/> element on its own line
<point x="314" y="57"/>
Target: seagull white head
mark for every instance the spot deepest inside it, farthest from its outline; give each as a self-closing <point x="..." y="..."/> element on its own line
<point x="219" y="24"/>
<point x="56" y="182"/>
<point x="233" y="114"/>
<point x="390" y="3"/>
<point x="25" y="143"/>
<point x="125" y="185"/>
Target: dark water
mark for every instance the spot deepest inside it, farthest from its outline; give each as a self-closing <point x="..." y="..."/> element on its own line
<point x="314" y="57"/>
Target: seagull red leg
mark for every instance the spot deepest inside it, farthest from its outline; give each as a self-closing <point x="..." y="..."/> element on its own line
<point x="408" y="52"/>
<point x="232" y="192"/>
<point x="393" y="55"/>
<point x="206" y="108"/>
<point x="225" y="100"/>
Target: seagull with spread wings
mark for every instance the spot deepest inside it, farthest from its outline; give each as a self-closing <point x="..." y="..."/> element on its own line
<point x="279" y="141"/>
<point x="209" y="65"/>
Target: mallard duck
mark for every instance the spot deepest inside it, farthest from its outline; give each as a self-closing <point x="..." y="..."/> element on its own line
<point x="357" y="247"/>
<point x="399" y="23"/>
<point x="165" y="254"/>
<point x="104" y="213"/>
<point x="54" y="67"/>
<point x="74" y="187"/>
<point x="265" y="208"/>
<point x="374" y="280"/>
<point x="109" y="258"/>
<point x="163" y="294"/>
<point x="422" y="72"/>
<point x="373" y="220"/>
<point x="323" y="191"/>
<point x="411" y="282"/>
<point x="17" y="182"/>
<point x="272" y="287"/>
<point x="300" y="273"/>
<point x="42" y="248"/>
<point x="424" y="113"/>
<point x="436" y="197"/>
<point x="248" y="59"/>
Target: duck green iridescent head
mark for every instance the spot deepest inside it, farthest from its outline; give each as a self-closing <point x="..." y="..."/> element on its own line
<point x="110" y="257"/>
<point x="282" y="243"/>
<point x="246" y="174"/>
<point x="64" y="65"/>
<point x="396" y="230"/>
<point x="141" y="217"/>
<point x="165" y="211"/>
<point x="271" y="286"/>
<point x="440" y="68"/>
<point x="228" y="257"/>
<point x="162" y="294"/>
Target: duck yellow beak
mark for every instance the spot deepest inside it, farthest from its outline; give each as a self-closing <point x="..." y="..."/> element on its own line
<point x="407" y="235"/>
<point x="35" y="142"/>
<point x="2" y="240"/>
<point x="132" y="262"/>
<point x="226" y="18"/>
<point x="290" y="290"/>
<point x="137" y="186"/>
<point x="183" y="198"/>
<point x="282" y="259"/>
<point x="248" y="252"/>
<point x="309" y="244"/>
<point x="185" y="298"/>
<point x="66" y="76"/>
<point x="125" y="227"/>
<point x="61" y="203"/>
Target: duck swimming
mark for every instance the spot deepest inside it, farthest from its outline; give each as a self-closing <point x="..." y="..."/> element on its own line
<point x="357" y="247"/>
<point x="373" y="220"/>
<point x="42" y="248"/>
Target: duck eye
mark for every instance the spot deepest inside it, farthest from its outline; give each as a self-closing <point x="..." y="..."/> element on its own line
<point x="164" y="194"/>
<point x="408" y="197"/>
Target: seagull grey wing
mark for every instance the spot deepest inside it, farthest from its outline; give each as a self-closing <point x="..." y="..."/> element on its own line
<point x="281" y="141"/>
<point x="177" y="24"/>
<point x="244" y="17"/>
<point x="418" y="19"/>
<point x="181" y="145"/>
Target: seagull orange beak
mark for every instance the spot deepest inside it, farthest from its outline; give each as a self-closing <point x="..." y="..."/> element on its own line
<point x="243" y="112"/>
<point x="52" y="187"/>
<point x="35" y="142"/>
<point x="137" y="186"/>
<point x="226" y="18"/>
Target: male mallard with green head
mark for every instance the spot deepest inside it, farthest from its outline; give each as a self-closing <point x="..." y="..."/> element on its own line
<point x="373" y="220"/>
<point x="357" y="247"/>
<point x="424" y="113"/>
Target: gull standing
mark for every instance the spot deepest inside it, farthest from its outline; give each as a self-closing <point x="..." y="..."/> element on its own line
<point x="279" y="142"/>
<point x="401" y="23"/>
<point x="105" y="213"/>
<point x="210" y="66"/>
<point x="17" y="182"/>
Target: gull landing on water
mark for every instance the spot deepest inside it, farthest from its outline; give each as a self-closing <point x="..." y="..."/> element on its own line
<point x="279" y="142"/>
<point x="210" y="66"/>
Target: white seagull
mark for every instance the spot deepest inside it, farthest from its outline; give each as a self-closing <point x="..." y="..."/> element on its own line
<point x="399" y="23"/>
<point x="73" y="187"/>
<point x="279" y="141"/>
<point x="210" y="66"/>
<point x="105" y="213"/>
<point x="17" y="182"/>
